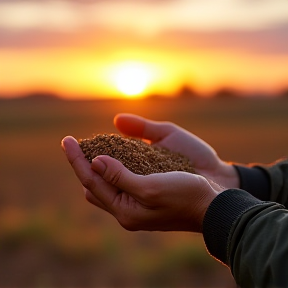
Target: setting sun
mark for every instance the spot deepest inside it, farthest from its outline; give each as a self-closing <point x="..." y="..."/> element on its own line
<point x="132" y="78"/>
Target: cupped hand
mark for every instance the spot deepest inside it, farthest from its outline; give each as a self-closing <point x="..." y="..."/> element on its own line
<point x="174" y="201"/>
<point x="202" y="156"/>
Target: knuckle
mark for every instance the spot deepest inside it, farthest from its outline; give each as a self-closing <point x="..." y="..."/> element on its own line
<point x="112" y="177"/>
<point x="151" y="194"/>
<point x="170" y="125"/>
<point x="87" y="182"/>
<point x="74" y="161"/>
<point x="115" y="177"/>
<point x="88" y="196"/>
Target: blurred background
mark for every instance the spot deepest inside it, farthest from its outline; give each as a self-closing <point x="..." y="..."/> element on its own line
<point x="217" y="68"/>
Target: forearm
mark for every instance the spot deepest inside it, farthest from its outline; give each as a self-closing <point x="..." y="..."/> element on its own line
<point x="249" y="236"/>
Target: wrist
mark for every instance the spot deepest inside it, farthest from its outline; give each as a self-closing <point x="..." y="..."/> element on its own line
<point x="230" y="175"/>
<point x="225" y="174"/>
<point x="220" y="218"/>
<point x="210" y="191"/>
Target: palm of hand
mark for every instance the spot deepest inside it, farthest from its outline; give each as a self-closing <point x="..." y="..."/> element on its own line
<point x="202" y="156"/>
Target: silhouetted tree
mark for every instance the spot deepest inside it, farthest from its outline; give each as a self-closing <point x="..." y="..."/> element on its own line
<point x="186" y="92"/>
<point x="284" y="93"/>
<point x="226" y="93"/>
<point x="41" y="96"/>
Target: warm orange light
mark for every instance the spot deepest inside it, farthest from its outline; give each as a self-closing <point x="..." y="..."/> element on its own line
<point x="132" y="78"/>
<point x="136" y="73"/>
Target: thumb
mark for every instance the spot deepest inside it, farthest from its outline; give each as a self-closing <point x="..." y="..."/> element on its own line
<point x="137" y="126"/>
<point x="116" y="174"/>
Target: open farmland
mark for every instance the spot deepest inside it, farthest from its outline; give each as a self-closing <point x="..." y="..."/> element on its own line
<point x="50" y="236"/>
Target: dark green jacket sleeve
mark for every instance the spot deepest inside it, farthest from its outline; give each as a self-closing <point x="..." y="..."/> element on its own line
<point x="258" y="247"/>
<point x="278" y="178"/>
<point x="266" y="182"/>
<point x="251" y="235"/>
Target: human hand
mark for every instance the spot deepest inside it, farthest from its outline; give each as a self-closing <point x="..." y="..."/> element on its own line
<point x="174" y="201"/>
<point x="202" y="156"/>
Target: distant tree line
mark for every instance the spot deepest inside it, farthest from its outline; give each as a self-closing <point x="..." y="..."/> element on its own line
<point x="185" y="92"/>
<point x="225" y="92"/>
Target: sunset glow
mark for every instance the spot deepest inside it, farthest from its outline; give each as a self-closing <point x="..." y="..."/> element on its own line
<point x="82" y="50"/>
<point x="132" y="79"/>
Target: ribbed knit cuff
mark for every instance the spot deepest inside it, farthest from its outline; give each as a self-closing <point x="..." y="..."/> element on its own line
<point x="220" y="216"/>
<point x="254" y="180"/>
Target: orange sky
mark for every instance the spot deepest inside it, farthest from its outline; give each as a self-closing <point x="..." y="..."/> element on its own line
<point x="83" y="60"/>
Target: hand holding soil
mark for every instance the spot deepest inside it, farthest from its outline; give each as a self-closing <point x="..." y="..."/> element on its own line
<point x="136" y="155"/>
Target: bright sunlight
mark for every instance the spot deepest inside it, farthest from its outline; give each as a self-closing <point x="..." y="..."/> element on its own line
<point x="132" y="78"/>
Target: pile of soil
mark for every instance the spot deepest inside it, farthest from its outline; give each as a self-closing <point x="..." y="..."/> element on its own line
<point x="136" y="155"/>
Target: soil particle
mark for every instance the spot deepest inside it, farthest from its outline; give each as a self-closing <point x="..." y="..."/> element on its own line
<point x="136" y="155"/>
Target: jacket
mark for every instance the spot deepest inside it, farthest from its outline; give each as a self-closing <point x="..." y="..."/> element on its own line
<point x="247" y="228"/>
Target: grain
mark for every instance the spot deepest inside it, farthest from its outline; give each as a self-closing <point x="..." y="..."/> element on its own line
<point x="136" y="155"/>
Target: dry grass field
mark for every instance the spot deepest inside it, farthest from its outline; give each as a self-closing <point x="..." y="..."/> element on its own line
<point x="50" y="236"/>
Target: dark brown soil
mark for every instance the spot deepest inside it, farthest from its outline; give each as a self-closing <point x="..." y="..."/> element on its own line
<point x="138" y="156"/>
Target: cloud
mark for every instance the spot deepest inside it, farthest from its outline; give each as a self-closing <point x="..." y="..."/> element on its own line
<point x="268" y="40"/>
<point x="92" y="1"/>
<point x="271" y="40"/>
<point x="193" y="24"/>
<point x="52" y="15"/>
<point x="143" y="16"/>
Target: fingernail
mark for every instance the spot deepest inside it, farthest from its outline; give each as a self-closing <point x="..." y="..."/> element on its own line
<point x="99" y="166"/>
<point x="62" y="144"/>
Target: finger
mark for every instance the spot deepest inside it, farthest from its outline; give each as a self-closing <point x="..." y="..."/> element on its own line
<point x="136" y="126"/>
<point x="144" y="189"/>
<point x="104" y="192"/>
<point x="116" y="174"/>
<point x="75" y="156"/>
<point x="93" y="200"/>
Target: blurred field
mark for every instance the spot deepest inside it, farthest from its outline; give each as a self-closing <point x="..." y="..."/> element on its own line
<point x="50" y="236"/>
